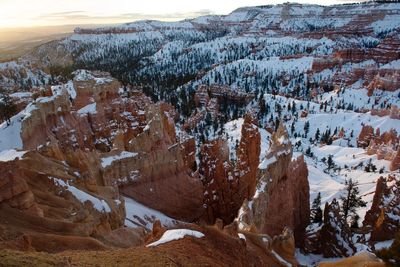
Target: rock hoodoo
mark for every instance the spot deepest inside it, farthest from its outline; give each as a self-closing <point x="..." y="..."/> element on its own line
<point x="282" y="196"/>
<point x="385" y="146"/>
<point x="383" y="217"/>
<point x="90" y="141"/>
<point x="228" y="183"/>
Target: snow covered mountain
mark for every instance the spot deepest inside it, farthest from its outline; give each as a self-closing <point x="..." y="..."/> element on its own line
<point x="294" y="98"/>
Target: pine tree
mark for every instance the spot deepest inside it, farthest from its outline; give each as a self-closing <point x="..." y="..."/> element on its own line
<point x="370" y="167"/>
<point x="279" y="109"/>
<point x="330" y="162"/>
<point x="382" y="170"/>
<point x="354" y="221"/>
<point x="293" y="107"/>
<point x="292" y="128"/>
<point x="7" y="108"/>
<point x="262" y="107"/>
<point x="316" y="211"/>
<point x="306" y="128"/>
<point x="351" y="199"/>
<point x="308" y="152"/>
<point x="317" y="134"/>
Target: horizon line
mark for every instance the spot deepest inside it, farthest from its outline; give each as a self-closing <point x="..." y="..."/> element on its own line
<point x="164" y="17"/>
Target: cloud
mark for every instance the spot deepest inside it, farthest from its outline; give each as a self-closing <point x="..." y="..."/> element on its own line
<point x="352" y="1"/>
<point x="68" y="15"/>
<point x="85" y="17"/>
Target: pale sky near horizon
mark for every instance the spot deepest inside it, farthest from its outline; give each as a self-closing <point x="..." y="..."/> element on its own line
<point x="27" y="13"/>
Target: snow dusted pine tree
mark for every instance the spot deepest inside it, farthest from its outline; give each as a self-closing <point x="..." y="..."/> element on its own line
<point x="7" y="108"/>
<point x="316" y="211"/>
<point x="351" y="200"/>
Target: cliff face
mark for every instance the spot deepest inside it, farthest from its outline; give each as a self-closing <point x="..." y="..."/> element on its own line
<point x="282" y="196"/>
<point x="228" y="184"/>
<point x="165" y="179"/>
<point x="383" y="216"/>
<point x="89" y="142"/>
<point x="126" y="142"/>
<point x="300" y="217"/>
<point x="366" y="134"/>
<point x="45" y="206"/>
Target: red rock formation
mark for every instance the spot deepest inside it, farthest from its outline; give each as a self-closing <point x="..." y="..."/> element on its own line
<point x="215" y="167"/>
<point x="160" y="176"/>
<point x="389" y="80"/>
<point x="216" y="247"/>
<point x="385" y="145"/>
<point x="373" y="75"/>
<point x="298" y="176"/>
<point x="122" y="144"/>
<point x="228" y="183"/>
<point x="222" y="93"/>
<point x="284" y="245"/>
<point x="383" y="217"/>
<point x="15" y="191"/>
<point x="248" y="154"/>
<point x="360" y="259"/>
<point x="201" y="96"/>
<point x="393" y="112"/>
<point x="366" y="134"/>
<point x="44" y="201"/>
<point x="282" y="197"/>
<point x="165" y="182"/>
<point x="395" y="163"/>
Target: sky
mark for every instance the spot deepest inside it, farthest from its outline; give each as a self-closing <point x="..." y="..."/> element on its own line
<point x="32" y="13"/>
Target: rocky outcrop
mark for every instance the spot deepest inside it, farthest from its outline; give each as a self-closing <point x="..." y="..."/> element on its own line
<point x="215" y="247"/>
<point x="44" y="200"/>
<point x="228" y="184"/>
<point x="284" y="245"/>
<point x="372" y="75"/>
<point x="366" y="134"/>
<point x="15" y="191"/>
<point x="298" y="178"/>
<point x="395" y="163"/>
<point x="383" y="217"/>
<point x="393" y="112"/>
<point x="385" y="145"/>
<point x="222" y="93"/>
<point x="387" y="80"/>
<point x="282" y="196"/>
<point x="89" y="142"/>
<point x="124" y="141"/>
<point x="165" y="180"/>
<point x="362" y="259"/>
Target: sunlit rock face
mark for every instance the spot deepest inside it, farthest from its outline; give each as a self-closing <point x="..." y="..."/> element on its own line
<point x="92" y="142"/>
<point x="228" y="183"/>
<point x="282" y="196"/>
<point x="89" y="142"/>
